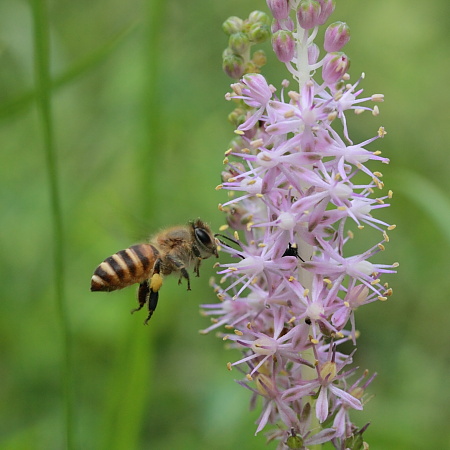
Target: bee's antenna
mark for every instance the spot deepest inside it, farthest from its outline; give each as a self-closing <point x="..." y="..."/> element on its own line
<point x="234" y="241"/>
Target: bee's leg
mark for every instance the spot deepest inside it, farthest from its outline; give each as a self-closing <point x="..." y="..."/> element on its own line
<point x="152" y="303"/>
<point x="197" y="267"/>
<point x="184" y="274"/>
<point x="143" y="292"/>
<point x="154" y="287"/>
<point x="199" y="260"/>
<point x="181" y="267"/>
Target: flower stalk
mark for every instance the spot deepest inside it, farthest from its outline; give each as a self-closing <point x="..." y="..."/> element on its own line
<point x="298" y="192"/>
<point x="41" y="40"/>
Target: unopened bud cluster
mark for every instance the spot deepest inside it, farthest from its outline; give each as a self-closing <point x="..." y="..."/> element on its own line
<point x="298" y="191"/>
<point x="243" y="34"/>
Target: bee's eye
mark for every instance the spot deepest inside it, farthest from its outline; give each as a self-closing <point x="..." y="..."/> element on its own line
<point x="202" y="236"/>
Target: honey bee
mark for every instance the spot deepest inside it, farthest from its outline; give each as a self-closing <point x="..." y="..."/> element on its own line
<point x="172" y="250"/>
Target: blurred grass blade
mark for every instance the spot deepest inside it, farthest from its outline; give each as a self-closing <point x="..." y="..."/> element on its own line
<point x="41" y="40"/>
<point x="427" y="196"/>
<point x="154" y="125"/>
<point x="81" y="67"/>
<point x="128" y="391"/>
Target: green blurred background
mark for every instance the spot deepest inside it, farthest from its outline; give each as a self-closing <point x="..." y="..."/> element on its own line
<point x="140" y="130"/>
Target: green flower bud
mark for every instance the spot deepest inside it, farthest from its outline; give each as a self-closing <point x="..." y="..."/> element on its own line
<point x="259" y="58"/>
<point x="259" y="33"/>
<point x="237" y="117"/>
<point x="239" y="43"/>
<point x="294" y="440"/>
<point x="233" y="65"/>
<point x="233" y="25"/>
<point x="354" y="442"/>
<point x="251" y="67"/>
<point x="259" y="17"/>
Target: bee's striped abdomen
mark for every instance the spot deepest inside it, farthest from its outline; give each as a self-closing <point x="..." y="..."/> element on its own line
<point x="129" y="266"/>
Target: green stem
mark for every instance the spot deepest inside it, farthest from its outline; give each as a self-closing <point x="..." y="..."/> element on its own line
<point x="124" y="411"/>
<point x="149" y="156"/>
<point x="303" y="69"/>
<point x="43" y="101"/>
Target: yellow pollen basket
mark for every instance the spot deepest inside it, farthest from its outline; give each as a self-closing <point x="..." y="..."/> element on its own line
<point x="156" y="282"/>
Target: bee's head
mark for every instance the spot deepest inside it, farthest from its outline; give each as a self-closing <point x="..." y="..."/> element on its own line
<point x="204" y="239"/>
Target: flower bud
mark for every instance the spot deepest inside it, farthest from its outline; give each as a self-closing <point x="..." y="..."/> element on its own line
<point x="326" y="11"/>
<point x="233" y="65"/>
<point x="356" y="440"/>
<point x="258" y="33"/>
<point x="294" y="440"/>
<point x="259" y="58"/>
<point x="308" y="14"/>
<point x="232" y="25"/>
<point x="283" y="45"/>
<point x="259" y="17"/>
<point x="237" y="117"/>
<point x="334" y="67"/>
<point x="336" y="36"/>
<point x="250" y="67"/>
<point x="279" y="8"/>
<point x="313" y="53"/>
<point x="287" y="25"/>
<point x="239" y="43"/>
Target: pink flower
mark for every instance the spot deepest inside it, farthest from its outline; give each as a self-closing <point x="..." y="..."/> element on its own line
<point x="299" y="189"/>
